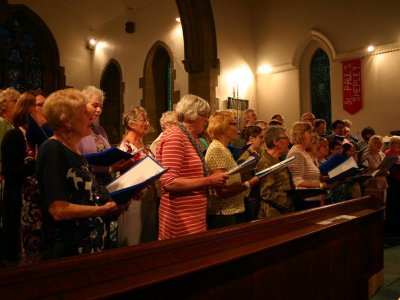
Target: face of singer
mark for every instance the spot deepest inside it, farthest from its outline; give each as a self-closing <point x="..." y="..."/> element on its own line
<point x="282" y="144"/>
<point x="307" y="138"/>
<point x="200" y="123"/>
<point x="81" y="122"/>
<point x="257" y="141"/>
<point x="141" y="125"/>
<point x="95" y="107"/>
<point x="232" y="131"/>
<point x="376" y="146"/>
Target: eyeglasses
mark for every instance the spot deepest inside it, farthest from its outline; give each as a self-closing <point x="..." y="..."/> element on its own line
<point x="143" y="120"/>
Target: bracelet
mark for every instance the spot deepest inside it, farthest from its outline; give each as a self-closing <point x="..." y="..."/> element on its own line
<point x="247" y="184"/>
<point x="321" y="185"/>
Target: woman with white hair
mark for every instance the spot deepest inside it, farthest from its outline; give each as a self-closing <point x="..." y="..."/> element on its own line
<point x="97" y="140"/>
<point x="184" y="197"/>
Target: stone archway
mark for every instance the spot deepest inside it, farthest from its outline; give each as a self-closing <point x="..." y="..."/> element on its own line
<point x="111" y="84"/>
<point x="201" y="61"/>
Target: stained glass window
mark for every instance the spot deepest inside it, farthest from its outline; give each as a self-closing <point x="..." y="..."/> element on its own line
<point x="321" y="87"/>
<point x="169" y="85"/>
<point x="21" y="64"/>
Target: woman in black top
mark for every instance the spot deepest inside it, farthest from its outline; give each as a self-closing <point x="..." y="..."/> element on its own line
<point x="74" y="205"/>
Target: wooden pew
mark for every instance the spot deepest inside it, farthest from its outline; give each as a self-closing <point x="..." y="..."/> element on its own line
<point x="290" y="257"/>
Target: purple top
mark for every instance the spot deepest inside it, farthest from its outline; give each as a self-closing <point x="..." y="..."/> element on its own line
<point x="88" y="145"/>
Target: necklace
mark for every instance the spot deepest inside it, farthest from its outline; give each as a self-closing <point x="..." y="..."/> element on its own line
<point x="66" y="143"/>
<point x="195" y="146"/>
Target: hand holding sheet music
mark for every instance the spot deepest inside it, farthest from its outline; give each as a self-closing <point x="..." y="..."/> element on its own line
<point x="135" y="179"/>
<point x="343" y="170"/>
<point x="275" y="167"/>
<point x="248" y="163"/>
<point x="109" y="156"/>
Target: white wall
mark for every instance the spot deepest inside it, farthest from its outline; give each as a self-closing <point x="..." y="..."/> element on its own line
<point x="236" y="49"/>
<point x="155" y="23"/>
<point x="350" y="27"/>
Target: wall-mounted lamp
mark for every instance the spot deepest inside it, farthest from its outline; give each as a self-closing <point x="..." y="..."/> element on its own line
<point x="264" y="69"/>
<point x="91" y="44"/>
<point x="178" y="20"/>
<point x="370" y="48"/>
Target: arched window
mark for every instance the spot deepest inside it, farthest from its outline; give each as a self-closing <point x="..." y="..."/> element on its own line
<point x="158" y="86"/>
<point x="313" y="57"/>
<point x="111" y="117"/>
<point x="29" y="58"/>
<point x="320" y="86"/>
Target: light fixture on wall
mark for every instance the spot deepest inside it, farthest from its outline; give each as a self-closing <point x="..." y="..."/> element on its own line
<point x="370" y="48"/>
<point x="178" y="20"/>
<point x="91" y="44"/>
<point x="264" y="69"/>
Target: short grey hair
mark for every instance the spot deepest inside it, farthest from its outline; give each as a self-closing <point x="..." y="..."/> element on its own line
<point x="394" y="139"/>
<point x="272" y="134"/>
<point x="190" y="106"/>
<point x="133" y="114"/>
<point x="92" y="91"/>
<point x="168" y="117"/>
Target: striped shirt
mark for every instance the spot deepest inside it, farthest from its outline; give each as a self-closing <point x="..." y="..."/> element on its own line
<point x="302" y="168"/>
<point x="180" y="213"/>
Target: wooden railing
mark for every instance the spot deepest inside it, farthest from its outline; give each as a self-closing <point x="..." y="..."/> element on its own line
<point x="331" y="252"/>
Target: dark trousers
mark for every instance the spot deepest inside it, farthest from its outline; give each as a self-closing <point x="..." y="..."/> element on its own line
<point x="218" y="221"/>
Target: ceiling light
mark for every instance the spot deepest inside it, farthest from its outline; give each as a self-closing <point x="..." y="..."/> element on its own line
<point x="91" y="44"/>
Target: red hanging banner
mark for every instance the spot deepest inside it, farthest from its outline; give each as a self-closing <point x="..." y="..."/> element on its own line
<point x="352" y="92"/>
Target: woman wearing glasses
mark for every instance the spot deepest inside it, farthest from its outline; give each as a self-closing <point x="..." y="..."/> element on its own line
<point x="139" y="223"/>
<point x="227" y="202"/>
<point x="274" y="200"/>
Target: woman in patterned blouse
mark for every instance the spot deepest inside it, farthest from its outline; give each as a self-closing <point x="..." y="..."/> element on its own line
<point x="274" y="201"/>
<point x="139" y="223"/>
<point x="66" y="184"/>
<point x="227" y="202"/>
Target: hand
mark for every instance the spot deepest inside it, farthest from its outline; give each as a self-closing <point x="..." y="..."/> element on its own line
<point x="254" y="181"/>
<point x="384" y="172"/>
<point x="113" y="209"/>
<point x="218" y="178"/>
<point x="123" y="165"/>
<point x="328" y="186"/>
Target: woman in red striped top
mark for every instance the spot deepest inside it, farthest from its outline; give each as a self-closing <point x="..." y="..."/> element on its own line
<point x="184" y="196"/>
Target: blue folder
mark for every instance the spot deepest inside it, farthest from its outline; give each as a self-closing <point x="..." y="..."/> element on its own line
<point x="107" y="157"/>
